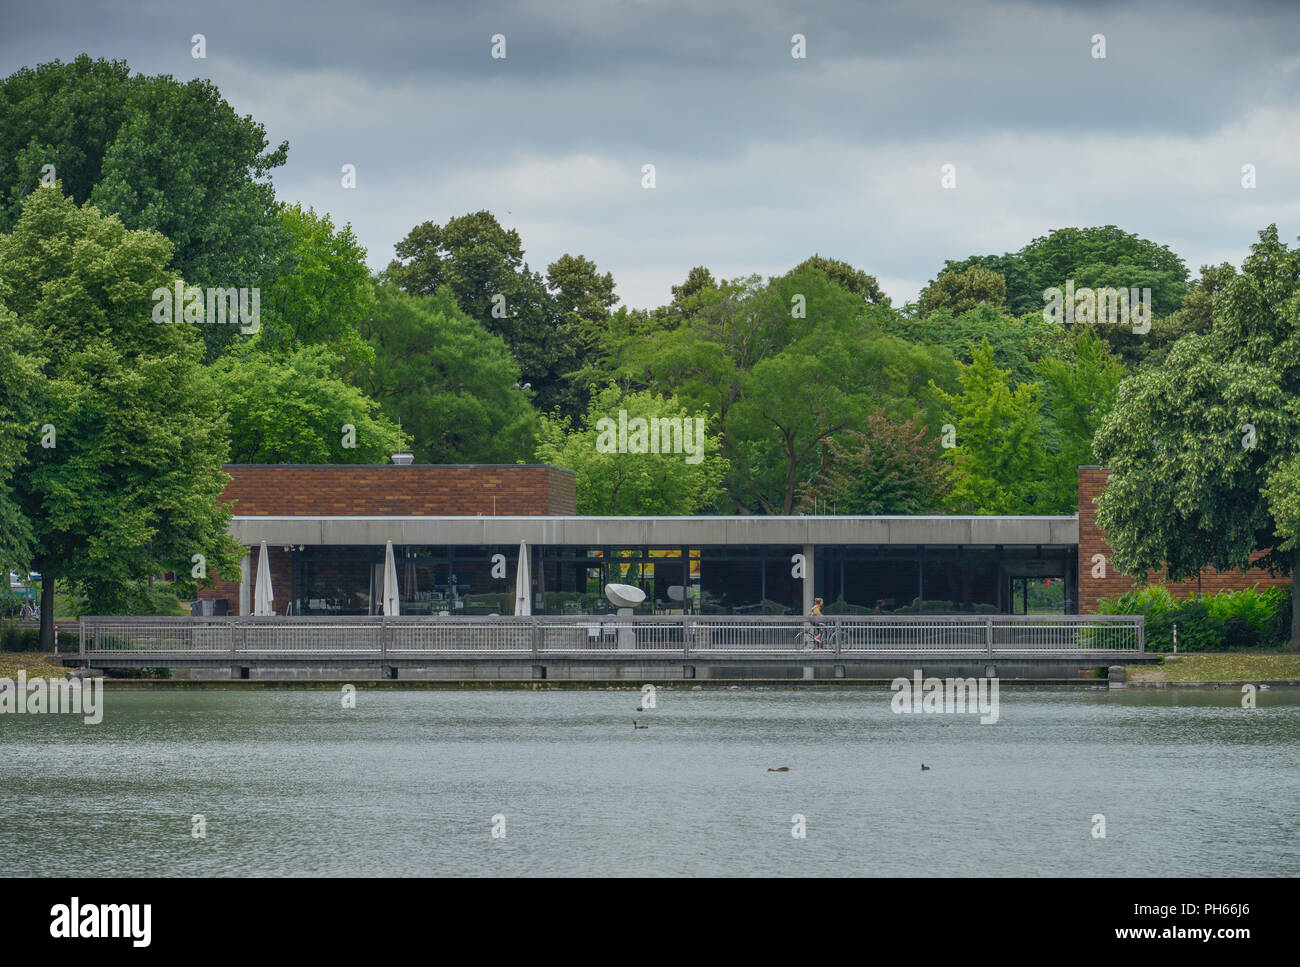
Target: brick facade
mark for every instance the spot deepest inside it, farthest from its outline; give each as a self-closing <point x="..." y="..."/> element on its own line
<point x="1092" y="480"/>
<point x="291" y="490"/>
<point x="418" y="490"/>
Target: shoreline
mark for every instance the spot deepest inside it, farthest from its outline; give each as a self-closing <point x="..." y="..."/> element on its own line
<point x="1196" y="671"/>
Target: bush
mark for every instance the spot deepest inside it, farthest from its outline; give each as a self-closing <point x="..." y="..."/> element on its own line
<point x="14" y="638"/>
<point x="1226" y="621"/>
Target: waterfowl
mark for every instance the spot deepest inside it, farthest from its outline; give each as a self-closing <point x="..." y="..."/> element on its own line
<point x="924" y="767"/>
<point x="780" y="769"/>
<point x="635" y="726"/>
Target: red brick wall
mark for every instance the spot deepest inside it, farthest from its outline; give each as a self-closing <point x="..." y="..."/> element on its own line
<point x="354" y="491"/>
<point x="1092" y="480"/>
<point x="426" y="491"/>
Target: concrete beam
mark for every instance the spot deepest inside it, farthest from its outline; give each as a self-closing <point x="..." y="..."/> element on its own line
<point x="656" y="531"/>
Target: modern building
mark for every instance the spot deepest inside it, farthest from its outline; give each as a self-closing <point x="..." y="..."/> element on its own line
<point x="456" y="531"/>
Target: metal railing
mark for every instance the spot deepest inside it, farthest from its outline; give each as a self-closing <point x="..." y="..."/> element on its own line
<point x="614" y="637"/>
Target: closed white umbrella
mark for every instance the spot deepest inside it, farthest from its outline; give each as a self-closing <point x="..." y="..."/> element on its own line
<point x="392" y="604"/>
<point x="263" y="598"/>
<point x="523" y="583"/>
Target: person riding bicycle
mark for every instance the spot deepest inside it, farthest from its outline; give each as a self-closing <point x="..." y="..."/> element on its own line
<point x="819" y="626"/>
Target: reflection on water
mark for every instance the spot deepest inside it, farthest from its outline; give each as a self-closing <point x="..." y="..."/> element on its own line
<point x="407" y="783"/>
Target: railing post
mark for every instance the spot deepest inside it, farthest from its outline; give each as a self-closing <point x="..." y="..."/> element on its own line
<point x="1142" y="633"/>
<point x="383" y="638"/>
<point x="686" y="635"/>
<point x="988" y="634"/>
<point x="839" y="633"/>
<point x="81" y="635"/>
<point x="536" y="635"/>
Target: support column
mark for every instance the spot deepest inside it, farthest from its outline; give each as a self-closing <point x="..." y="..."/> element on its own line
<point x="809" y="576"/>
<point x="245" y="585"/>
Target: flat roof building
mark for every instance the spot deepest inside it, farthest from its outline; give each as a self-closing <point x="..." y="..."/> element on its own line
<point x="456" y="532"/>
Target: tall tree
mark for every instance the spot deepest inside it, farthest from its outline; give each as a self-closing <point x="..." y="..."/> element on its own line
<point x="297" y="408"/>
<point x="454" y="387"/>
<point x="322" y="290"/>
<point x="121" y="477"/>
<point x="620" y="475"/>
<point x="1201" y="447"/>
<point x="472" y="254"/>
<point x="1094" y="257"/>
<point x="549" y="332"/>
<point x="19" y="384"/>
<point x="886" y="467"/>
<point x="998" y="461"/>
<point x="848" y="278"/>
<point x="1078" y="391"/>
<point x="162" y="155"/>
<point x="960" y="292"/>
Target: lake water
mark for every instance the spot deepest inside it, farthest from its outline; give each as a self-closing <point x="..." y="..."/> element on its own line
<point x="408" y="782"/>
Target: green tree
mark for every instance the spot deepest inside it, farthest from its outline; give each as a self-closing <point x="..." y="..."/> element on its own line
<point x="472" y="254"/>
<point x="1094" y="257"/>
<point x="454" y="386"/>
<point x="848" y="278"/>
<point x="297" y="408"/>
<point x="549" y="332"/>
<point x="1078" y="392"/>
<point x="782" y="365"/>
<point x="1201" y="447"/>
<point x="322" y="290"/>
<point x="627" y="482"/>
<point x="960" y="292"/>
<point x="1196" y="315"/>
<point x="887" y="467"/>
<point x="159" y="154"/>
<point x="129" y="485"/>
<point x="997" y="464"/>
<point x="19" y="384"/>
<point x="793" y="401"/>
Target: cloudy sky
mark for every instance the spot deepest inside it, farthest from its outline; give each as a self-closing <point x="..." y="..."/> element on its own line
<point x="761" y="159"/>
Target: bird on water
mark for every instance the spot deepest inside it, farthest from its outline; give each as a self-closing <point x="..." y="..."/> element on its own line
<point x="924" y="767"/>
<point x="635" y="726"/>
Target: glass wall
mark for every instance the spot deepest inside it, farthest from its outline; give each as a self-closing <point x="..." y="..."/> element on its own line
<point x="749" y="579"/>
<point x="935" y="579"/>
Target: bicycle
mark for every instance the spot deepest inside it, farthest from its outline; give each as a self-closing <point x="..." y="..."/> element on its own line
<point x="819" y="636"/>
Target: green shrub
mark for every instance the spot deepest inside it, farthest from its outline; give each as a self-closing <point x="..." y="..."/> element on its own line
<point x="14" y="638"/>
<point x="1226" y="621"/>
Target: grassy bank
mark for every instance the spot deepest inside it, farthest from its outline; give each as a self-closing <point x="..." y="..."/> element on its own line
<point x="34" y="663"/>
<point x="1231" y="667"/>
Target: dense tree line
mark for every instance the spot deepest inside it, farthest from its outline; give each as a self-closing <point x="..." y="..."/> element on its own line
<point x="814" y="392"/>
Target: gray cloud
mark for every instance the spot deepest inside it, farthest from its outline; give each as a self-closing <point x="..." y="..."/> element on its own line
<point x="762" y="159"/>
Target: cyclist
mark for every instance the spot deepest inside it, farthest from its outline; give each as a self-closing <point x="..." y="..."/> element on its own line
<point x="818" y="626"/>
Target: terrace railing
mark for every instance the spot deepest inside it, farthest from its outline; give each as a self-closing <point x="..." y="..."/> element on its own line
<point x="614" y="637"/>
